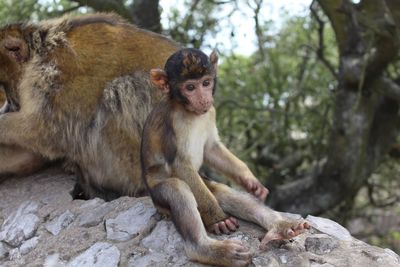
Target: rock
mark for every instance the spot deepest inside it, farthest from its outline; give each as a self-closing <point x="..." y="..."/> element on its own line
<point x="132" y="236"/>
<point x="53" y="261"/>
<point x="14" y="254"/>
<point x="3" y="251"/>
<point x="391" y="254"/>
<point x="130" y="223"/>
<point x="99" y="255"/>
<point x="59" y="223"/>
<point x="94" y="216"/>
<point x="329" y="227"/>
<point x="165" y="247"/>
<point x="92" y="203"/>
<point x="28" y="245"/>
<point x="314" y="264"/>
<point x="321" y="244"/>
<point x="20" y="225"/>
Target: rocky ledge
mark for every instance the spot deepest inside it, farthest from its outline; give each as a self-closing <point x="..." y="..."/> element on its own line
<point x="42" y="226"/>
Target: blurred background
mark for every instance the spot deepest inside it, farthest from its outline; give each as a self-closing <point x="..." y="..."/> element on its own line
<point x="308" y="95"/>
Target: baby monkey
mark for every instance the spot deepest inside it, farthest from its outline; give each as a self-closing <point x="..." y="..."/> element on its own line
<point x="180" y="135"/>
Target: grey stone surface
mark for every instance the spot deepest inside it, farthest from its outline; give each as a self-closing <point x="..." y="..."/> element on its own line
<point x="321" y="244"/>
<point x="94" y="216"/>
<point x="59" y="223"/>
<point x="329" y="227"/>
<point x="121" y="228"/>
<point x="99" y="255"/>
<point x="125" y="232"/>
<point x="165" y="246"/>
<point x="314" y="264"/>
<point x="14" y="254"/>
<point x="20" y="225"/>
<point x="28" y="245"/>
<point x="53" y="260"/>
<point x="3" y="251"/>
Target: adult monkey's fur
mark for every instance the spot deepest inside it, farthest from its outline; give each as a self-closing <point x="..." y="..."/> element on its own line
<point x="78" y="89"/>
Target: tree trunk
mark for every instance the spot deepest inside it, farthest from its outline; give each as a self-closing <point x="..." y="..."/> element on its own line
<point x="146" y="14"/>
<point x="143" y="13"/>
<point x="366" y="120"/>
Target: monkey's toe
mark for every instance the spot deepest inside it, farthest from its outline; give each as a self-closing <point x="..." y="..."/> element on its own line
<point x="224" y="227"/>
<point x="221" y="253"/>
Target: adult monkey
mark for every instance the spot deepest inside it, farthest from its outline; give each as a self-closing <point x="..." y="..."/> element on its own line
<point x="60" y="103"/>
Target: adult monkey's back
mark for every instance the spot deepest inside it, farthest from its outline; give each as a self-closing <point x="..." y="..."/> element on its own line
<point x="78" y="89"/>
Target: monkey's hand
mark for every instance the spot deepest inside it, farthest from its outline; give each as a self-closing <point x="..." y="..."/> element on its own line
<point x="254" y="187"/>
<point x="285" y="229"/>
<point x="226" y="226"/>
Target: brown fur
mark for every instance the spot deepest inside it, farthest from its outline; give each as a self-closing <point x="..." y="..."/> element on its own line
<point x="15" y="160"/>
<point x="83" y="94"/>
<point x="176" y="140"/>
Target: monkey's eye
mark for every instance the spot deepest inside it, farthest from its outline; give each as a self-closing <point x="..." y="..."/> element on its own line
<point x="190" y="87"/>
<point x="206" y="83"/>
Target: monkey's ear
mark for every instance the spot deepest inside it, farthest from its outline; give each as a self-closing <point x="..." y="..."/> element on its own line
<point x="159" y="78"/>
<point x="16" y="48"/>
<point x="214" y="58"/>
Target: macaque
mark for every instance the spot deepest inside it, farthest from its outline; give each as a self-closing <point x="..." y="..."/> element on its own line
<point x="180" y="135"/>
<point x="78" y="89"/>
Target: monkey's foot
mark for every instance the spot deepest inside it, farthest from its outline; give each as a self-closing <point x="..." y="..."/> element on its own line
<point x="221" y="253"/>
<point x="225" y="226"/>
<point x="284" y="229"/>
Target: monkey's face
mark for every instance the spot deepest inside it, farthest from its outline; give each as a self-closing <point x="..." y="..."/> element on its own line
<point x="198" y="94"/>
<point x="14" y="52"/>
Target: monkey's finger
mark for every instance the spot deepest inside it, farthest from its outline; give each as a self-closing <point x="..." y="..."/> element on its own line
<point x="270" y="236"/>
<point x="215" y="229"/>
<point x="237" y="244"/>
<point x="258" y="191"/>
<point x="223" y="228"/>
<point x="299" y="227"/>
<point x="298" y="232"/>
<point x="290" y="233"/>
<point x="241" y="255"/>
<point x="235" y="221"/>
<point x="231" y="226"/>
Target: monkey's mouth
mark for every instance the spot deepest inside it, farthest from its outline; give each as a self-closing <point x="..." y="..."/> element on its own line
<point x="201" y="111"/>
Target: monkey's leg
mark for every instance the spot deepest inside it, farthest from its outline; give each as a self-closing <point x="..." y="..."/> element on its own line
<point x="212" y="214"/>
<point x="247" y="207"/>
<point x="175" y="195"/>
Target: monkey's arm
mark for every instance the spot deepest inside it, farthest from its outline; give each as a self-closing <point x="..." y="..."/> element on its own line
<point x="18" y="161"/>
<point x="216" y="155"/>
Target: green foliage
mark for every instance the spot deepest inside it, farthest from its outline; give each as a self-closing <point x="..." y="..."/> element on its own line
<point x="35" y="10"/>
<point x="14" y="10"/>
<point x="191" y="21"/>
<point x="274" y="108"/>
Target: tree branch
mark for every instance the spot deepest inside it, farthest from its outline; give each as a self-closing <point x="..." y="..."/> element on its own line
<point x="259" y="32"/>
<point x="388" y="88"/>
<point x="333" y="9"/>
<point x="146" y="14"/>
<point x="321" y="42"/>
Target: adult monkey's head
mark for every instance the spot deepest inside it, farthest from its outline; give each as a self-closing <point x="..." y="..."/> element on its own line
<point x="14" y="53"/>
<point x="189" y="77"/>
